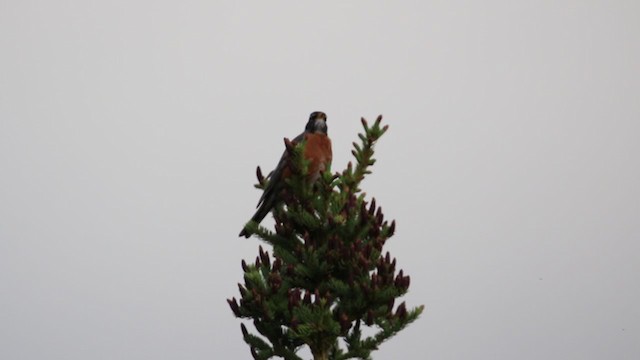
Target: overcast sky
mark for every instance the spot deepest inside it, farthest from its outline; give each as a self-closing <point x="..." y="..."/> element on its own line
<point x="130" y="132"/>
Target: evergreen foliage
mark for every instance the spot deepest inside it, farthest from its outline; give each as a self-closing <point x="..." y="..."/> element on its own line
<point x="327" y="277"/>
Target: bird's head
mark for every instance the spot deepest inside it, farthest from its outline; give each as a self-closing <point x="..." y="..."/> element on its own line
<point x="317" y="123"/>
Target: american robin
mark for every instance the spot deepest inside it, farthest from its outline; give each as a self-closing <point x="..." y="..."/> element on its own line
<point x="317" y="150"/>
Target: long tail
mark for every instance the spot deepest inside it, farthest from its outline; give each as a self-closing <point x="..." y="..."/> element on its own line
<point x="260" y="214"/>
<point x="271" y="192"/>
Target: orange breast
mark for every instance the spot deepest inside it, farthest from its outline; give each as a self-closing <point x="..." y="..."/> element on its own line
<point x="318" y="151"/>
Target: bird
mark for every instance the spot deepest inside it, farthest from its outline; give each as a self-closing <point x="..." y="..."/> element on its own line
<point x="317" y="151"/>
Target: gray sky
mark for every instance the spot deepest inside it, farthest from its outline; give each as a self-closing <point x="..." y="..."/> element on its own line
<point x="130" y="131"/>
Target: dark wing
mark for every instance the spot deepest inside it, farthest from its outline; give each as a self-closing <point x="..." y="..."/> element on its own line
<point x="272" y="190"/>
<point x="274" y="179"/>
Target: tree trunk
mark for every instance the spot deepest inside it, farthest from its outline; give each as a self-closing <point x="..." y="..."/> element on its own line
<point x="321" y="355"/>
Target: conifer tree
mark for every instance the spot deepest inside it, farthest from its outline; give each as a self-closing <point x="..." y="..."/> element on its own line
<point x="327" y="277"/>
